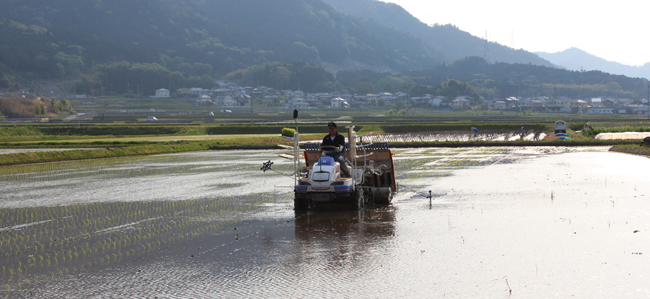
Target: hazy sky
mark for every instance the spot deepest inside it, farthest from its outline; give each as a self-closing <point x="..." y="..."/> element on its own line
<point x="614" y="30"/>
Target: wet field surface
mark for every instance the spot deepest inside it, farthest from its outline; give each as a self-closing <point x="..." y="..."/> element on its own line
<point x="504" y="222"/>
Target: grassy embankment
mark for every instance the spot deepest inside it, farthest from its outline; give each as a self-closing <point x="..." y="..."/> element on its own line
<point x="147" y="142"/>
<point x="117" y="140"/>
<point x="123" y="149"/>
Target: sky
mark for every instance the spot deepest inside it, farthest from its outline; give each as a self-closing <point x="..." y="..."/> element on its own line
<point x="614" y="30"/>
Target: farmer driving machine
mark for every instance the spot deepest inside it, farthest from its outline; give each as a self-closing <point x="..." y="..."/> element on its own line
<point x="320" y="183"/>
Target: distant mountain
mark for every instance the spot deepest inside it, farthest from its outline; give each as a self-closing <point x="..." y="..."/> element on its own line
<point x="578" y="60"/>
<point x="452" y="42"/>
<point x="57" y="38"/>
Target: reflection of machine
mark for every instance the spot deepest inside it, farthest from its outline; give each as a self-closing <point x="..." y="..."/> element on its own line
<point x="321" y="184"/>
<point x="367" y="226"/>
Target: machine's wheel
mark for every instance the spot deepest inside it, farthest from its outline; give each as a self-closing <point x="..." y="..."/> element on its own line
<point x="382" y="195"/>
<point x="360" y="198"/>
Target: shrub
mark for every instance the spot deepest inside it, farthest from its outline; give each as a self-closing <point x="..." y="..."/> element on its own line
<point x="288" y="132"/>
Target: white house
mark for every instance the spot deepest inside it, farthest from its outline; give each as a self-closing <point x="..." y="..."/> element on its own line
<point x="298" y="103"/>
<point x="460" y="103"/>
<point x="596" y="102"/>
<point x="162" y="93"/>
<point x="500" y="105"/>
<point x="436" y="102"/>
<point x="388" y="97"/>
<point x="203" y="100"/>
<point x="339" y="103"/>
<point x="372" y="98"/>
<point x="199" y="91"/>
<point x="227" y="101"/>
<point x="601" y="110"/>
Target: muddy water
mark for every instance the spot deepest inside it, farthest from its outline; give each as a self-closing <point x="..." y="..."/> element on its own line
<point x="518" y="222"/>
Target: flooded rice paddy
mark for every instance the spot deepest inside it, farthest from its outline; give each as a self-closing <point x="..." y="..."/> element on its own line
<point x="504" y="222"/>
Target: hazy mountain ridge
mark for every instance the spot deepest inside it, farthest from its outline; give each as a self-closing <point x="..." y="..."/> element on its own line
<point x="577" y="60"/>
<point x="52" y="39"/>
<point x="452" y="42"/>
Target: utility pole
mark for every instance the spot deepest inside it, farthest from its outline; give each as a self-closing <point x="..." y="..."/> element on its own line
<point x="408" y="99"/>
<point x="251" y="107"/>
<point x="516" y="101"/>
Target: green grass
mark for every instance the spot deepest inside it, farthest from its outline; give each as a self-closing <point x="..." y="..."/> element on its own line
<point x="634" y="146"/>
<point x="124" y="149"/>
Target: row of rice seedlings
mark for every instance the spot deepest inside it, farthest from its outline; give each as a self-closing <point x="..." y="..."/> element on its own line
<point x="103" y="259"/>
<point x="67" y="240"/>
<point x="445" y="136"/>
<point x="37" y="240"/>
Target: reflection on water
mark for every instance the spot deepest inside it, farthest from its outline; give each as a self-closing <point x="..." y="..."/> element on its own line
<point x="516" y="222"/>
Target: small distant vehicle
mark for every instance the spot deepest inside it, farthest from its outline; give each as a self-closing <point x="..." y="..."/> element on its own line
<point x="152" y="110"/>
<point x="210" y="114"/>
<point x="228" y="111"/>
<point x="560" y="126"/>
<point x="122" y="111"/>
<point x="152" y="118"/>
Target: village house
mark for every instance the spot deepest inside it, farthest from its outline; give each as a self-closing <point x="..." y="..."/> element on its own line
<point x="437" y="101"/>
<point x="244" y="101"/>
<point x="316" y="103"/>
<point x="596" y="102"/>
<point x="161" y="93"/>
<point x="360" y="98"/>
<point x="372" y="98"/>
<point x="609" y="103"/>
<point x="339" y="103"/>
<point x="637" y="109"/>
<point x="298" y="103"/>
<point x="537" y="105"/>
<point x="257" y="93"/>
<point x="226" y="101"/>
<point x="512" y="103"/>
<point x="203" y="100"/>
<point x="222" y="92"/>
<point x="401" y="95"/>
<point x="578" y="106"/>
<point x="525" y="105"/>
<point x="558" y="105"/>
<point x="318" y="96"/>
<point x="199" y="91"/>
<point x="346" y="96"/>
<point x="601" y="110"/>
<point x="388" y="97"/>
<point x="460" y="103"/>
<point x="500" y="105"/>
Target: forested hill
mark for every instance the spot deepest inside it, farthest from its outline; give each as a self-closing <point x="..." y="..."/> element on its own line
<point x="57" y="38"/>
<point x="452" y="42"/>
